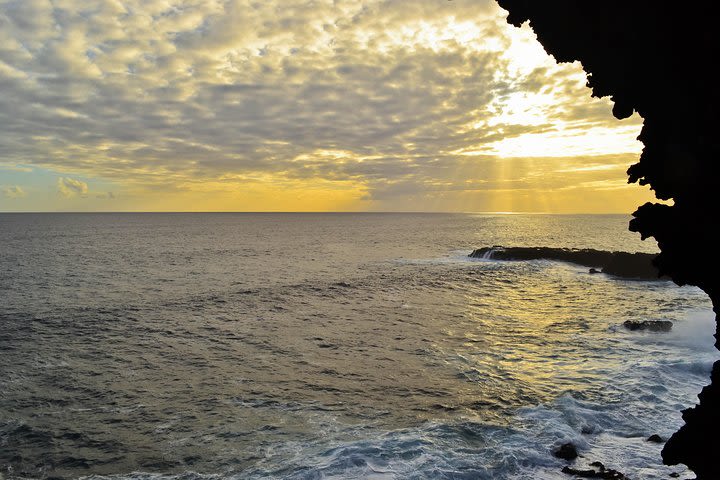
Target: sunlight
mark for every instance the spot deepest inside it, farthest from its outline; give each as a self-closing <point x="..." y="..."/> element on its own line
<point x="565" y="142"/>
<point x="444" y="34"/>
<point x="397" y="100"/>
<point x="520" y="108"/>
<point x="524" y="52"/>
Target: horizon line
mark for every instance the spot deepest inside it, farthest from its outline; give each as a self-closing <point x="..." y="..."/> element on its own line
<point x="308" y="212"/>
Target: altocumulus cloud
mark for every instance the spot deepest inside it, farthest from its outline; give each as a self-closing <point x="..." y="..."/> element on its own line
<point x="164" y="94"/>
<point x="69" y="187"/>
<point x="13" y="191"/>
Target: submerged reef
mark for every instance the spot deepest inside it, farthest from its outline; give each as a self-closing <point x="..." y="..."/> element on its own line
<point x="658" y="59"/>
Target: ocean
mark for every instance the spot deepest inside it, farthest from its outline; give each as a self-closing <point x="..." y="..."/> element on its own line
<point x="308" y="346"/>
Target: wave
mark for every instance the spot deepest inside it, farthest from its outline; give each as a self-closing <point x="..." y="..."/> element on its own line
<point x="619" y="264"/>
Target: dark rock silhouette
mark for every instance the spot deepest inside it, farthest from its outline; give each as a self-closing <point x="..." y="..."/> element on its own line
<point x="655" y="438"/>
<point x="650" y="326"/>
<point x="658" y="59"/>
<point x="619" y="264"/>
<point x="567" y="451"/>
<point x="598" y="472"/>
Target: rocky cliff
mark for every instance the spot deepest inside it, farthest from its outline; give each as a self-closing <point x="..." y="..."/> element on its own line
<point x="657" y="58"/>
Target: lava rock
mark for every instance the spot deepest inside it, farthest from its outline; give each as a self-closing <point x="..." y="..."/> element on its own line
<point x="655" y="438"/>
<point x="620" y="264"/>
<point x="567" y="451"/>
<point x="649" y="325"/>
<point x="601" y="472"/>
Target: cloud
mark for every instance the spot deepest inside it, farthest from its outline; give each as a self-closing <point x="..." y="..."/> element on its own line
<point x="173" y="94"/>
<point x="13" y="191"/>
<point x="69" y="187"/>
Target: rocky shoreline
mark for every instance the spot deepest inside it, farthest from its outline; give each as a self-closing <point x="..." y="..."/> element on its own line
<point x="619" y="264"/>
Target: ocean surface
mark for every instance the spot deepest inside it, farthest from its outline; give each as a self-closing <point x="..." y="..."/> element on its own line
<point x="308" y="346"/>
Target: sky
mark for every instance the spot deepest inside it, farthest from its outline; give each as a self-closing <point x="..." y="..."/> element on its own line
<point x="298" y="105"/>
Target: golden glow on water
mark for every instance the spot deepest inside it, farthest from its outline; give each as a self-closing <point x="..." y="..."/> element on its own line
<point x="250" y="343"/>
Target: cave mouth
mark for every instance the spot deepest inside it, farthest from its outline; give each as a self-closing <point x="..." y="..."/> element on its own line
<point x="655" y="60"/>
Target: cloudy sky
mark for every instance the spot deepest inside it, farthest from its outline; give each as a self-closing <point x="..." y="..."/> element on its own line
<point x="263" y="105"/>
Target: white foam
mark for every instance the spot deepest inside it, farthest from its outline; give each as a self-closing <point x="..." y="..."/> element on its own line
<point x="694" y="332"/>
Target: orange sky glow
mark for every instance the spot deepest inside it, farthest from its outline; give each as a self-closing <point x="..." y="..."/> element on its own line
<point x="217" y="105"/>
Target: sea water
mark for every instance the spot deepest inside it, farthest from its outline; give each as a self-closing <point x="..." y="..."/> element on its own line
<point x="303" y="346"/>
